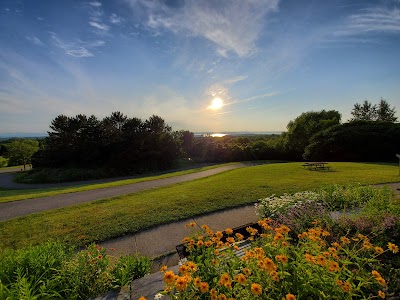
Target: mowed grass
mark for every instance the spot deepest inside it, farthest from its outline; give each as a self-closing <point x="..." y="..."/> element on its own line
<point x="7" y="195"/>
<point x="110" y="218"/>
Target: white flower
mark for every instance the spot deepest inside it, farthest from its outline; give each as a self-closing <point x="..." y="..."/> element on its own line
<point x="182" y="261"/>
<point x="158" y="296"/>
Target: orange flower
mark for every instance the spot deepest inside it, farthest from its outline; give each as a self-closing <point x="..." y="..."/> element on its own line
<point x="219" y="234"/>
<point x="228" y="285"/>
<point x="247" y="271"/>
<point x="282" y="258"/>
<point x="197" y="281"/>
<point x="381" y="294"/>
<point x="334" y="266"/>
<point x="222" y="297"/>
<point x="191" y="224"/>
<point x="163" y="268"/>
<point x="284" y="229"/>
<point x="290" y="297"/>
<point x="208" y="243"/>
<point x="381" y="281"/>
<point x="393" y="248"/>
<point x="379" y="250"/>
<point x="213" y="292"/>
<point x="239" y="236"/>
<point x="346" y="287"/>
<point x="225" y="278"/>
<point x="200" y="243"/>
<point x="375" y="274"/>
<point x="169" y="277"/>
<point x="345" y="240"/>
<point x="183" y="269"/>
<point x="203" y="287"/>
<point x="256" y="289"/>
<point x="181" y="283"/>
<point x="229" y="231"/>
<point x="278" y="237"/>
<point x="142" y="298"/>
<point x="240" y="278"/>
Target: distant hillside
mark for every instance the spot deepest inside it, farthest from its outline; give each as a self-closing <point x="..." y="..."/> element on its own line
<point x="22" y="135"/>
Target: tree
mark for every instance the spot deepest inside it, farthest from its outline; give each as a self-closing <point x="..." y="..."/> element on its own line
<point x="304" y="127"/>
<point x="385" y="113"/>
<point x="20" y="152"/>
<point x="364" y="112"/>
<point x="368" y="112"/>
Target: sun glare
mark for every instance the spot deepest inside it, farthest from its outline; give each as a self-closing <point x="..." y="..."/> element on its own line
<point x="216" y="103"/>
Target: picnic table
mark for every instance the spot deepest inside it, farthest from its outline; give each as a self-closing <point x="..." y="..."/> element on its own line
<point x="316" y="165"/>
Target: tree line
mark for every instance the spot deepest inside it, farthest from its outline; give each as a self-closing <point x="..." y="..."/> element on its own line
<point x="130" y="145"/>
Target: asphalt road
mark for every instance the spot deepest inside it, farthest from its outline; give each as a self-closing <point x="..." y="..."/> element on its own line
<point x="10" y="210"/>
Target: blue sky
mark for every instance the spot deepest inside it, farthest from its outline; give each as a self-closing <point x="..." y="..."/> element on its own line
<point x="267" y="60"/>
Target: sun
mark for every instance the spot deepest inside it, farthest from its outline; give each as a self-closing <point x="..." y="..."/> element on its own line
<point x="216" y="104"/>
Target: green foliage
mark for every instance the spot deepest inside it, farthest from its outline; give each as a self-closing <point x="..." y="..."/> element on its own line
<point x="20" y="152"/>
<point x="356" y="141"/>
<point x="54" y="271"/>
<point x="277" y="267"/>
<point x="303" y="128"/>
<point x="118" y="143"/>
<point x="3" y="162"/>
<point x="79" y="225"/>
<point x="368" y="112"/>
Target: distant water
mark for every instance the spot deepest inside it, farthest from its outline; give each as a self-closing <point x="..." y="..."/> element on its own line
<point x="235" y="133"/>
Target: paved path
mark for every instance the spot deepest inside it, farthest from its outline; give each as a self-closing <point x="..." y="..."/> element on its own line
<point x="15" y="209"/>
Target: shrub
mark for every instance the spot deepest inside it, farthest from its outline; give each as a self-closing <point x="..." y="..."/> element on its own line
<point x="55" y="271"/>
<point x="276" y="268"/>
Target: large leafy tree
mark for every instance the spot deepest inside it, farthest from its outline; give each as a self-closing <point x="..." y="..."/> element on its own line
<point x="368" y="112"/>
<point x="20" y="152"/>
<point x="304" y="127"/>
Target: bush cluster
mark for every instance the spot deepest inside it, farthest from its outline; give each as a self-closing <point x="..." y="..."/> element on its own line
<point x="55" y="271"/>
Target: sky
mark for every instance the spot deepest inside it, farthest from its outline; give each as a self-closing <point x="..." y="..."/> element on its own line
<point x="203" y="66"/>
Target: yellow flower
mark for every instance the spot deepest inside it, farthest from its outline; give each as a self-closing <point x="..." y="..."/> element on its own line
<point x="208" y="243"/>
<point x="213" y="292"/>
<point x="200" y="243"/>
<point x="393" y="248"/>
<point x="183" y="269"/>
<point x="367" y="245"/>
<point x="379" y="250"/>
<point x="203" y="287"/>
<point x="229" y="231"/>
<point x="256" y="289"/>
<point x="219" y="234"/>
<point x="381" y="294"/>
<point x="290" y="297"/>
<point x="169" y="277"/>
<point x="240" y="278"/>
<point x="191" y="224"/>
<point x="282" y="258"/>
<point x="278" y="237"/>
<point x="228" y="285"/>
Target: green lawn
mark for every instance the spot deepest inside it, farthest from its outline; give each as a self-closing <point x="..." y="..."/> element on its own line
<point x="7" y="195"/>
<point x="110" y="218"/>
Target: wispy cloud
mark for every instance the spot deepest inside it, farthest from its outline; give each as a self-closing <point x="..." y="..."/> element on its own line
<point x="232" y="27"/>
<point x="115" y="19"/>
<point x="99" y="26"/>
<point x="35" y="40"/>
<point x="78" y="48"/>
<point x="372" y="20"/>
<point x="95" y="3"/>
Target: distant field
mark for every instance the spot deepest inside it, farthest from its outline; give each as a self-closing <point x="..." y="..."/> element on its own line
<point x="110" y="218"/>
<point x="7" y="195"/>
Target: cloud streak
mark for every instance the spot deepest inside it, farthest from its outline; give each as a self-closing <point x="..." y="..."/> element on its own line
<point x="77" y="48"/>
<point x="233" y="27"/>
<point x="372" y="20"/>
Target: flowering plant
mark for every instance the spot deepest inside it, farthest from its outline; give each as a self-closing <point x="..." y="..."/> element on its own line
<point x="276" y="268"/>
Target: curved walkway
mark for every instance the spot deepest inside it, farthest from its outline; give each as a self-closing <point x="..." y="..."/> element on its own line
<point x="10" y="210"/>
